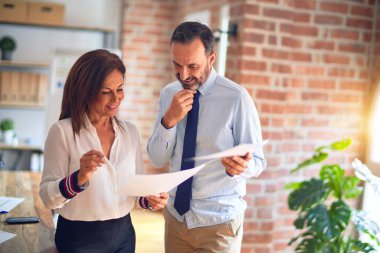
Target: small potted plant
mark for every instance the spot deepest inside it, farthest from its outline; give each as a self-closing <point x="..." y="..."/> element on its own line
<point x="7" y="128"/>
<point x="7" y="46"/>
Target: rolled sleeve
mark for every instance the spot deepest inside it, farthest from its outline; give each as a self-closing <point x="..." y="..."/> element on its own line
<point x="248" y="130"/>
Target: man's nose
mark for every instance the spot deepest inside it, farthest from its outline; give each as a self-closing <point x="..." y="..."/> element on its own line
<point x="184" y="74"/>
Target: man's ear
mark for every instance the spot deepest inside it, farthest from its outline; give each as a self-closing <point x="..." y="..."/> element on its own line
<point x="212" y="58"/>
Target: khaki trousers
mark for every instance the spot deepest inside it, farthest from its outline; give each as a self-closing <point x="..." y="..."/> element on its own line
<point x="225" y="237"/>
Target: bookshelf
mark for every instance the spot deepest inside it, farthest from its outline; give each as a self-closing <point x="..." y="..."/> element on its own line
<point x="86" y="26"/>
<point x="23" y="85"/>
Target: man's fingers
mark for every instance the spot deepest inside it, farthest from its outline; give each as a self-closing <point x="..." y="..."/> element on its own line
<point x="234" y="165"/>
<point x="184" y="95"/>
<point x="240" y="161"/>
<point x="236" y="162"/>
<point x="233" y="171"/>
<point x="247" y="156"/>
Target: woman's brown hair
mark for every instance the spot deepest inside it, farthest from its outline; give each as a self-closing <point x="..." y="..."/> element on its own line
<point x="83" y="84"/>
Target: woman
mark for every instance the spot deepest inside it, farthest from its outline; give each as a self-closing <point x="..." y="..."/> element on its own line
<point x="89" y="156"/>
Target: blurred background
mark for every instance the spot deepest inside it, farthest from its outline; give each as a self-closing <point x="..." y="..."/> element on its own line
<point x="311" y="67"/>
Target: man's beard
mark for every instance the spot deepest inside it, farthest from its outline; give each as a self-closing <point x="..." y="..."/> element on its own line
<point x="198" y="81"/>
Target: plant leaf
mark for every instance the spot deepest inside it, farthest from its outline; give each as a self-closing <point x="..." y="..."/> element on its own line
<point x="317" y="158"/>
<point x="332" y="175"/>
<point x="310" y="193"/>
<point x="359" y="246"/>
<point x="340" y="145"/>
<point x="299" y="223"/>
<point x="313" y="242"/>
<point x="308" y="245"/>
<point x="350" y="187"/>
<point x="318" y="219"/>
<point x="320" y="156"/>
<point x="331" y="223"/>
<point x="293" y="186"/>
<point x="339" y="215"/>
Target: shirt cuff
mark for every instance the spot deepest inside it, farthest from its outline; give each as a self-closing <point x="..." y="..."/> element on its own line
<point x="166" y="134"/>
<point x="69" y="186"/>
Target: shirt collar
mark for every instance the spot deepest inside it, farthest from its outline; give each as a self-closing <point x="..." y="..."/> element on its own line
<point x="205" y="87"/>
<point x="90" y="127"/>
<point x="88" y="124"/>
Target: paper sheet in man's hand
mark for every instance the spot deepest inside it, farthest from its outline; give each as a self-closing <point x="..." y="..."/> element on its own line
<point x="240" y="150"/>
<point x="144" y="185"/>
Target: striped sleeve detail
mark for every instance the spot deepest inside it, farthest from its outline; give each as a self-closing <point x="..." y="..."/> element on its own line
<point x="143" y="203"/>
<point x="69" y="186"/>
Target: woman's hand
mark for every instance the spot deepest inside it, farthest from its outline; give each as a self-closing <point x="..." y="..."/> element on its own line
<point x="89" y="163"/>
<point x="158" y="202"/>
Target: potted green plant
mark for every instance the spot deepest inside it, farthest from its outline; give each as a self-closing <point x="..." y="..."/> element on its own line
<point x="7" y="46"/>
<point x="7" y="128"/>
<point x="323" y="213"/>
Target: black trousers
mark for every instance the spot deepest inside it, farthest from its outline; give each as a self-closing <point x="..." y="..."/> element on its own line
<point x="117" y="235"/>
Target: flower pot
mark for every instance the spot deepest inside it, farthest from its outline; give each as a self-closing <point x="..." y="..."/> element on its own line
<point x="6" y="55"/>
<point x="8" y="136"/>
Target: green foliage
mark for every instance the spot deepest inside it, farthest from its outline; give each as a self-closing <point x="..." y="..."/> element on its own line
<point x="7" y="44"/>
<point x="308" y="193"/>
<point x="6" y="124"/>
<point x="324" y="216"/>
<point x="320" y="156"/>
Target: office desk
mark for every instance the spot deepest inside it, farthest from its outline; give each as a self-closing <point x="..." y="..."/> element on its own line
<point x="29" y="237"/>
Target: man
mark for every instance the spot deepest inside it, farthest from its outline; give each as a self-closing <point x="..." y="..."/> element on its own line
<point x="200" y="114"/>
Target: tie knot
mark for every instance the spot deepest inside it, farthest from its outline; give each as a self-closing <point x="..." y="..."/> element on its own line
<point x="196" y="95"/>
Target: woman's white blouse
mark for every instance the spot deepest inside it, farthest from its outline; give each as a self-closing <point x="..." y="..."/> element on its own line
<point x="103" y="199"/>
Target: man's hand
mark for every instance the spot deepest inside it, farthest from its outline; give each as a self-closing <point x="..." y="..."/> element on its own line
<point x="235" y="165"/>
<point x="181" y="104"/>
<point x="158" y="202"/>
<point x="89" y="163"/>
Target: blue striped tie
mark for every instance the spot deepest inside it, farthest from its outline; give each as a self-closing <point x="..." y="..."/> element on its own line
<point x="183" y="195"/>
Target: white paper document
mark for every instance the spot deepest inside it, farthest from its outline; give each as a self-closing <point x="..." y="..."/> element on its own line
<point x="8" y="203"/>
<point x="4" y="236"/>
<point x="240" y="150"/>
<point x="144" y="185"/>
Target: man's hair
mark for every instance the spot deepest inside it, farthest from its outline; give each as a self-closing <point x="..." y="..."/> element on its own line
<point x="188" y="31"/>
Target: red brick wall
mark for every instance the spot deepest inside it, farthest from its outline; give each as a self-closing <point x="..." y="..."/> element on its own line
<point x="375" y="60"/>
<point x="306" y="65"/>
<point x="146" y="31"/>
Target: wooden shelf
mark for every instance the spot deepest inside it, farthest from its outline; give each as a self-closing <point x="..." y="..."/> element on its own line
<point x="64" y="26"/>
<point x="6" y="146"/>
<point x="21" y="106"/>
<point x="21" y="64"/>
